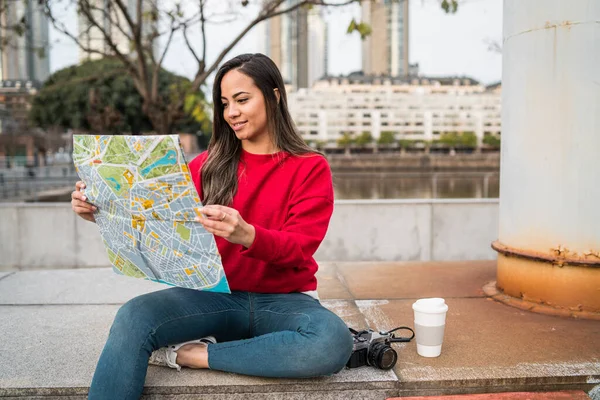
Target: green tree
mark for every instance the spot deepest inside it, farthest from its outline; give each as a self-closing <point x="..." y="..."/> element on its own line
<point x="492" y="141"/>
<point x="468" y="139"/>
<point x="413" y="144"/>
<point x="99" y="96"/>
<point x="150" y="27"/>
<point x="456" y="139"/>
<point x="316" y="144"/>
<point x="364" y="139"/>
<point x="346" y="139"/>
<point x="386" y="137"/>
<point x="449" y="139"/>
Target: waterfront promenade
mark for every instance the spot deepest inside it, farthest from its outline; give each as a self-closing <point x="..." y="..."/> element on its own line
<point x="54" y="323"/>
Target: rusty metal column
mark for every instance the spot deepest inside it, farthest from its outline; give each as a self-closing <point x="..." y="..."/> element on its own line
<point x="549" y="231"/>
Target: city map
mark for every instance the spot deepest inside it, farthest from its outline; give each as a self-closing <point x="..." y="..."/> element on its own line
<point x="146" y="205"/>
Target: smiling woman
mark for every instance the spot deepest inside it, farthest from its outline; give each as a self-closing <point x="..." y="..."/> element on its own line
<point x="251" y="113"/>
<point x="268" y="200"/>
<point x="244" y="111"/>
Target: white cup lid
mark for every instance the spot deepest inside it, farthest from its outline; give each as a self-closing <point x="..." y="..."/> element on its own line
<point x="431" y="305"/>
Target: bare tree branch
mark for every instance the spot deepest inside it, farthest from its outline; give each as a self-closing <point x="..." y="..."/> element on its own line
<point x="493" y="45"/>
<point x="184" y="26"/>
<point x="313" y="3"/>
<point x="136" y="28"/>
<point x="156" y="70"/>
<point x="63" y="29"/>
<point x="139" y="81"/>
<point x="220" y="17"/>
<point x="138" y="6"/>
<point x="202" y="26"/>
<point x="209" y="19"/>
<point x="116" y="21"/>
<point x="84" y="7"/>
<point x="268" y="12"/>
<point x="272" y="6"/>
<point x="189" y="22"/>
<point x="189" y="45"/>
<point x="144" y="65"/>
<point x="132" y="25"/>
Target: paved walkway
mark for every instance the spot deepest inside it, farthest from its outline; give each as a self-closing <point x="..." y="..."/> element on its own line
<point x="53" y="325"/>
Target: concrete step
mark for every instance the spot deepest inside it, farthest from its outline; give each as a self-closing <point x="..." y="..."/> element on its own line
<point x="562" y="395"/>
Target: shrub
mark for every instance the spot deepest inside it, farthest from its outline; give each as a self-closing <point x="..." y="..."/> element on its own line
<point x="492" y="141"/>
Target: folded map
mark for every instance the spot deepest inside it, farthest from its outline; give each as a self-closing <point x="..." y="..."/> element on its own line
<point x="146" y="205"/>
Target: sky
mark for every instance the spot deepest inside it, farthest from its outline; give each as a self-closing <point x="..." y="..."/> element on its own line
<point x="443" y="44"/>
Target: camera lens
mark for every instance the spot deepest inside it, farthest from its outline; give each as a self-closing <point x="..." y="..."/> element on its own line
<point x="382" y="356"/>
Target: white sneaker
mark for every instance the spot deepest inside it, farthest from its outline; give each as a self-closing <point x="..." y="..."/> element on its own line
<point x="167" y="356"/>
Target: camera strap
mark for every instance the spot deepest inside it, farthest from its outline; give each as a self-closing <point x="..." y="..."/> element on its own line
<point x="395" y="339"/>
<point x="355" y="332"/>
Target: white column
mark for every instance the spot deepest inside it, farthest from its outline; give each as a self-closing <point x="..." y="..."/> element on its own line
<point x="375" y="124"/>
<point x="549" y="231"/>
<point x="323" y="125"/>
<point x="428" y="125"/>
<point x="478" y="119"/>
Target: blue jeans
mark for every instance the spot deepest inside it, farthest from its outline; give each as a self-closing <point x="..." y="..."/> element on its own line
<point x="272" y="335"/>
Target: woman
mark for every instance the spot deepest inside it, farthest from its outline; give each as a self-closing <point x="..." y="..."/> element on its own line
<point x="268" y="200"/>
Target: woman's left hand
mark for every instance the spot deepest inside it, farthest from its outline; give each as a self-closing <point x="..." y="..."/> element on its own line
<point x="227" y="223"/>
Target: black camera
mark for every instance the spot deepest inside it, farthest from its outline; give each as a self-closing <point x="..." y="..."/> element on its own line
<point x="373" y="348"/>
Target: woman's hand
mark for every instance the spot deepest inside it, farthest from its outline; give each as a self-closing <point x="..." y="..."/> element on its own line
<point x="227" y="223"/>
<point x="79" y="205"/>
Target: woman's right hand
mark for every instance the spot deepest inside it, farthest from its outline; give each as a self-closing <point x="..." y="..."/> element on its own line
<point x="79" y="205"/>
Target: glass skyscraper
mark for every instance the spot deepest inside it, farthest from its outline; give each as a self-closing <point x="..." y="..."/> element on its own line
<point x="297" y="43"/>
<point x="385" y="50"/>
<point x="24" y="57"/>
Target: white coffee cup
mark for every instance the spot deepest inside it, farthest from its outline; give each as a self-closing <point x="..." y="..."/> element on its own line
<point x="430" y="321"/>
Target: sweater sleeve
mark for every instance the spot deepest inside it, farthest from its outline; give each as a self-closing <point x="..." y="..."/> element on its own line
<point x="309" y="211"/>
<point x="195" y="166"/>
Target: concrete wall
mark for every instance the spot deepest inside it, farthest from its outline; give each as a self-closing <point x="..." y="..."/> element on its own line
<point x="411" y="230"/>
<point x="50" y="235"/>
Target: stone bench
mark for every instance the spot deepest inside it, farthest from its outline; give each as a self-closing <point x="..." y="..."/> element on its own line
<point x="53" y="324"/>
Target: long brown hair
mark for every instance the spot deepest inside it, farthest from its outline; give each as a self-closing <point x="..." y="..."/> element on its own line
<point x="219" y="172"/>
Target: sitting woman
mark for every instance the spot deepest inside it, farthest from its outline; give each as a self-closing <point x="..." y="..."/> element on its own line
<point x="268" y="200"/>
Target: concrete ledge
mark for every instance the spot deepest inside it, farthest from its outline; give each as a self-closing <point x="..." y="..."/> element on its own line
<point x="54" y="325"/>
<point x="50" y="235"/>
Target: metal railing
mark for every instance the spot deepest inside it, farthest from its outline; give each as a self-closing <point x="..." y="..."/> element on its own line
<point x="23" y="183"/>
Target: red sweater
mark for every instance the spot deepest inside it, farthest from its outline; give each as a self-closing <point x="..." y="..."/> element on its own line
<point x="289" y="201"/>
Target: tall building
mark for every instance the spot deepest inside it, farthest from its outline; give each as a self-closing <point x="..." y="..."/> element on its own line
<point x="385" y="51"/>
<point x="407" y="108"/>
<point x="296" y="42"/>
<point x="91" y="37"/>
<point x="24" y="57"/>
<point x="317" y="46"/>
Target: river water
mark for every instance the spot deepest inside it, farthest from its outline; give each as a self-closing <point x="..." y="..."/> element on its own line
<point x="416" y="185"/>
<point x="352" y="185"/>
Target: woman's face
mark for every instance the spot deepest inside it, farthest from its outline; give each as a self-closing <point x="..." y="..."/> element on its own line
<point x="245" y="111"/>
